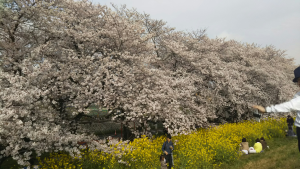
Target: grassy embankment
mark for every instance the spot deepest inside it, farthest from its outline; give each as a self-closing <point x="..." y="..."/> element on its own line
<point x="283" y="153"/>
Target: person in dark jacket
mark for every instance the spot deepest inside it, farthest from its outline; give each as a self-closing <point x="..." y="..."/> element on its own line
<point x="290" y="122"/>
<point x="263" y="143"/>
<point x="167" y="149"/>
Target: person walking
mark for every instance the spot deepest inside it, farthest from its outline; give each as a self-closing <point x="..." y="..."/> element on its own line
<point x="292" y="105"/>
<point x="167" y="149"/>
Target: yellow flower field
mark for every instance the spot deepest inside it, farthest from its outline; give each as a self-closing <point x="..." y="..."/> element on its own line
<point x="205" y="148"/>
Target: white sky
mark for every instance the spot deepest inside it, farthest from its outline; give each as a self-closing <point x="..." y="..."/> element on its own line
<point x="268" y="22"/>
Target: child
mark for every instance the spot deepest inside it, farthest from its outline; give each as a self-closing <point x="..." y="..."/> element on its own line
<point x="244" y="146"/>
<point x="163" y="163"/>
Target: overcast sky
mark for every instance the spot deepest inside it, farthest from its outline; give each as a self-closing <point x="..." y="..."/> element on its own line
<point x="268" y="22"/>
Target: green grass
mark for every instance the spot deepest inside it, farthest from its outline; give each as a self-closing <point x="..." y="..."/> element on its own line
<point x="283" y="153"/>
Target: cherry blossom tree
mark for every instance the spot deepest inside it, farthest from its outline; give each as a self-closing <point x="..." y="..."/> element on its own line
<point x="230" y="75"/>
<point x="56" y="53"/>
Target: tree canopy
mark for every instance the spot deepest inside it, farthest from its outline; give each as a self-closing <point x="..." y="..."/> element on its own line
<point x="63" y="52"/>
